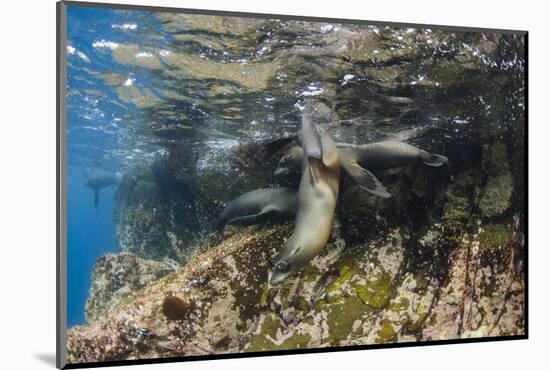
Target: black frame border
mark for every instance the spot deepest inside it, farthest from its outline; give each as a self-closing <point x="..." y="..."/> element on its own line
<point x="61" y="276"/>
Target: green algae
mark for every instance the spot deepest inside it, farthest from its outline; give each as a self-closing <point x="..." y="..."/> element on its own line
<point x="496" y="197"/>
<point x="265" y="294"/>
<point x="268" y="332"/>
<point x="386" y="333"/>
<point x="401" y="305"/>
<point x="344" y="274"/>
<point x="265" y="340"/>
<point x="494" y="236"/>
<point x="259" y="343"/>
<point x="270" y="325"/>
<point x="459" y="196"/>
<point x="296" y="341"/>
<point x="309" y="273"/>
<point x="497" y="193"/>
<point x="302" y="304"/>
<point x="341" y="316"/>
<point x="376" y="293"/>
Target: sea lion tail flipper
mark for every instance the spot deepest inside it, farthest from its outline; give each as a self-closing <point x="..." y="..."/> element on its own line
<point x="366" y="180"/>
<point x="434" y="160"/>
<point x="96" y="197"/>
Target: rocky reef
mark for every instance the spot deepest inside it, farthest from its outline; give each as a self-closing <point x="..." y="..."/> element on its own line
<point x="116" y="276"/>
<point x="441" y="259"/>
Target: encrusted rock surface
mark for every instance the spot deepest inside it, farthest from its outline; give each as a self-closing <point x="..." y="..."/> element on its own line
<point x="117" y="276"/>
<point x="398" y="287"/>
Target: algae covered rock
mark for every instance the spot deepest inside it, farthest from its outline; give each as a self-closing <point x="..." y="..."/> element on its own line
<point x="220" y="291"/>
<point x="398" y="287"/>
<point x="116" y="276"/>
<point x="159" y="213"/>
<point x="497" y="194"/>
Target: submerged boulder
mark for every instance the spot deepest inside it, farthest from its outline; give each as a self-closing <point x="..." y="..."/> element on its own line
<point x="116" y="276"/>
<point x="159" y="214"/>
<point x="441" y="259"/>
<point x="398" y="287"/>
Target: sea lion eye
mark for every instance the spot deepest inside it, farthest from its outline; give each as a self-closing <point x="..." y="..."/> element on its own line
<point x="282" y="266"/>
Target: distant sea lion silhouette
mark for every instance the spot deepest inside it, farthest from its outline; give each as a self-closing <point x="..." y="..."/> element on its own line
<point x="317" y="197"/>
<point x="102" y="181"/>
<point x="357" y="161"/>
<point x="259" y="205"/>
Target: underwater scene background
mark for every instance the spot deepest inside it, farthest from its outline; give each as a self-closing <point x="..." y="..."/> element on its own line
<point x="172" y="116"/>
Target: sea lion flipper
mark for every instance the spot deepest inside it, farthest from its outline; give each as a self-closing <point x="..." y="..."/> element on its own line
<point x="434" y="160"/>
<point x="366" y="180"/>
<point x="252" y="219"/>
<point x="311" y="139"/>
<point x="243" y="220"/>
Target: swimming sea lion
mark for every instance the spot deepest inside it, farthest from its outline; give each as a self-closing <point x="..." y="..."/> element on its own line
<point x="389" y="154"/>
<point x="258" y="205"/>
<point x="358" y="160"/>
<point x="102" y="181"/>
<point x="317" y="196"/>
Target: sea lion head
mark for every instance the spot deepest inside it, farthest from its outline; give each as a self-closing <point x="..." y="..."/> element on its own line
<point x="290" y="162"/>
<point x="288" y="262"/>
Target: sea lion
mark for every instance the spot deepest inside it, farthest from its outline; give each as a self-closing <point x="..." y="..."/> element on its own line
<point x="389" y="154"/>
<point x="357" y="161"/>
<point x="317" y="196"/>
<point x="102" y="181"/>
<point x="258" y="205"/>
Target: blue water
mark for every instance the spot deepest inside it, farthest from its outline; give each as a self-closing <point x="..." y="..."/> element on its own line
<point x="97" y="131"/>
<point x="90" y="233"/>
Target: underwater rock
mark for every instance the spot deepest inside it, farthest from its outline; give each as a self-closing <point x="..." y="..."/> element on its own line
<point x="159" y="215"/>
<point x="226" y="284"/>
<point x="116" y="276"/>
<point x="399" y="286"/>
<point x="497" y="193"/>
